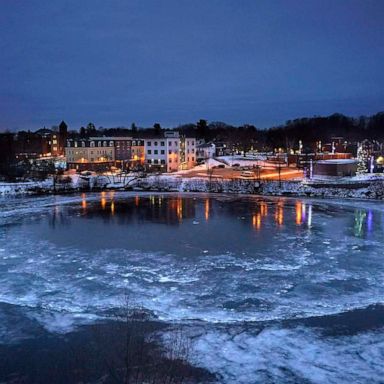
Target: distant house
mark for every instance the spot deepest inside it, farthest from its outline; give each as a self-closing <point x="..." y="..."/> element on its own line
<point x="53" y="141"/>
<point x="205" y="151"/>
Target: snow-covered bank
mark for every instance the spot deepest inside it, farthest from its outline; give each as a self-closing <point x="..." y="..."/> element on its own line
<point x="24" y="187"/>
<point x="358" y="189"/>
<point x="363" y="188"/>
<point x="67" y="184"/>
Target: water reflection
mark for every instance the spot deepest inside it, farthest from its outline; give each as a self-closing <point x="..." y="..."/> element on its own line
<point x="58" y="216"/>
<point x="256" y="221"/>
<point x="258" y="214"/>
<point x="103" y="200"/>
<point x="310" y="216"/>
<point x="279" y="213"/>
<point x="370" y="221"/>
<point x="83" y="201"/>
<point x="359" y="221"/>
<point x="207" y="208"/>
<point x="299" y="213"/>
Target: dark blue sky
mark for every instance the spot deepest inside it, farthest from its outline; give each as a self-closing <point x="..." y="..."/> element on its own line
<point x="118" y="61"/>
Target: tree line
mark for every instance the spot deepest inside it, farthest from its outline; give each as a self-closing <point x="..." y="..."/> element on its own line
<point x="245" y="137"/>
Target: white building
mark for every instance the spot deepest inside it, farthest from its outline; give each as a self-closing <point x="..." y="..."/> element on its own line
<point x="188" y="152"/>
<point x="205" y="151"/>
<point x="170" y="152"/>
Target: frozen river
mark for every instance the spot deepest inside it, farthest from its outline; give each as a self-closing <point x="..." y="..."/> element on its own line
<point x="268" y="290"/>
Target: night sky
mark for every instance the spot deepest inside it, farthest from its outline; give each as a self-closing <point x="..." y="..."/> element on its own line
<point x="118" y="61"/>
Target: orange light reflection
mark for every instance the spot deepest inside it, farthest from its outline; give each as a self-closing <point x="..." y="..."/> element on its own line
<point x="83" y="201"/>
<point x="279" y="213"/>
<point x="299" y="213"/>
<point x="207" y="209"/>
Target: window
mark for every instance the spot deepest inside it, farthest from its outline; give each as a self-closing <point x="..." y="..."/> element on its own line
<point x="170" y="152"/>
<point x="170" y="160"/>
<point x="99" y="143"/>
<point x="193" y="158"/>
<point x="176" y="143"/>
<point x="155" y="143"/>
<point x="149" y="152"/>
<point x="111" y="143"/>
<point x="149" y="143"/>
<point x="149" y="161"/>
<point x="155" y="151"/>
<point x="156" y="161"/>
<point x="92" y="144"/>
<point x="162" y="161"/>
<point x="83" y="144"/>
<point x="162" y="143"/>
<point x="162" y="152"/>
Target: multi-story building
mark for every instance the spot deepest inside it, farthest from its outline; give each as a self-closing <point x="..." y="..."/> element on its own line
<point x="205" y="151"/>
<point x="86" y="154"/>
<point x="166" y="153"/>
<point x="53" y="140"/>
<point x="169" y="153"/>
<point x="137" y="153"/>
<point x="158" y="156"/>
<point x="123" y="149"/>
<point x="187" y="152"/>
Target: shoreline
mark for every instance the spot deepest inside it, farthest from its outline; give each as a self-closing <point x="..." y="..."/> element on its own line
<point x="365" y="189"/>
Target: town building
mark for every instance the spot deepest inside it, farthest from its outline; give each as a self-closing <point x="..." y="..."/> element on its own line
<point x="205" y="151"/>
<point x="335" y="168"/>
<point x="187" y="152"/>
<point x="86" y="154"/>
<point x="137" y="153"/>
<point x="169" y="152"/>
<point x="123" y="148"/>
<point x="165" y="153"/>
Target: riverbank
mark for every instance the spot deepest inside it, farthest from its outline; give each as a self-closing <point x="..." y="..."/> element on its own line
<point x="364" y="188"/>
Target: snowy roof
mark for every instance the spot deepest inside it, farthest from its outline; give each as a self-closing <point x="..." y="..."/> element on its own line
<point x="337" y="161"/>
